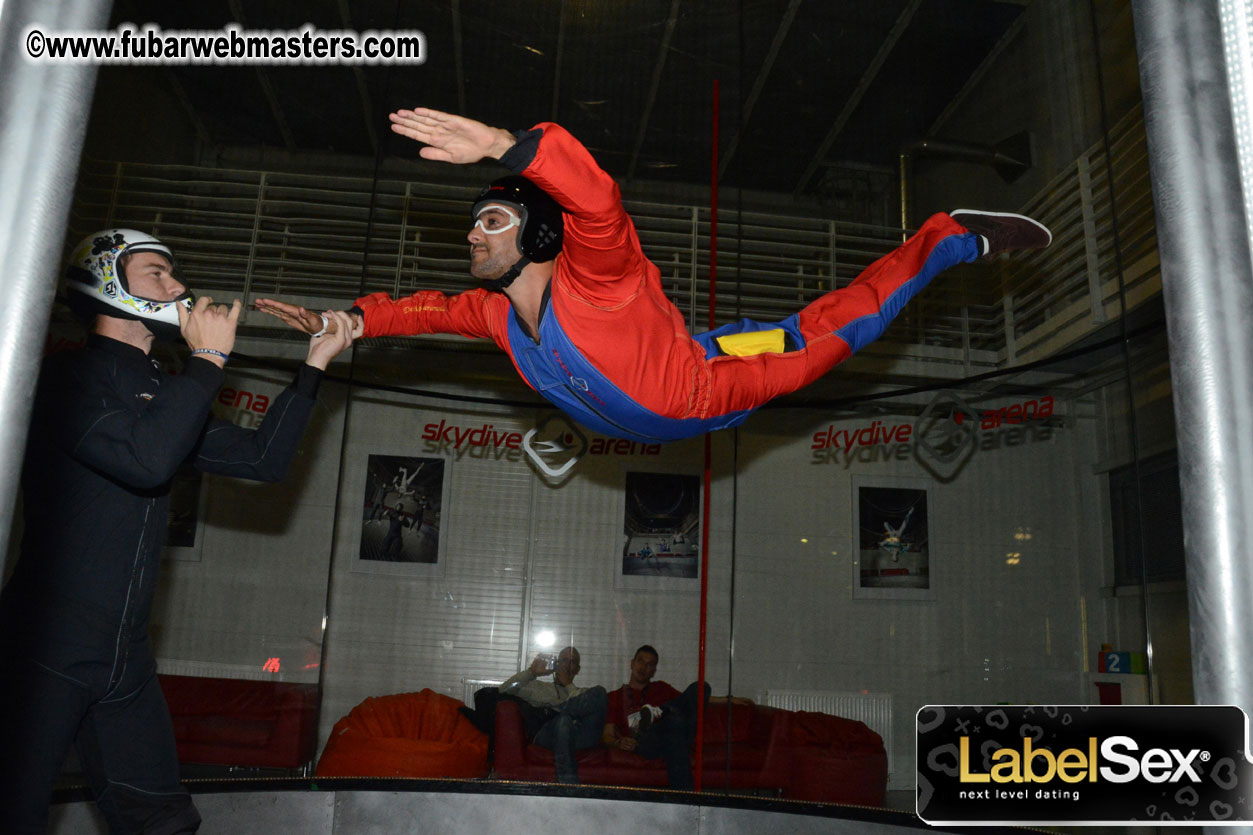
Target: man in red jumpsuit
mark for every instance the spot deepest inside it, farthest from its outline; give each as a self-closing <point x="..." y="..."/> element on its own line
<point x="570" y="296"/>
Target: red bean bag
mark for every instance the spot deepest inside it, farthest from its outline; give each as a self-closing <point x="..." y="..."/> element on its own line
<point x="836" y="760"/>
<point x="405" y="735"/>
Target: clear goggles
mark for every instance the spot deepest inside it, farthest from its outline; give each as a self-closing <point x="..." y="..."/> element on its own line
<point x="514" y="219"/>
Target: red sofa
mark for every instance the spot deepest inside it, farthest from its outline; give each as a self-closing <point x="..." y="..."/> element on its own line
<point x="758" y="753"/>
<point x="241" y="722"/>
<point x="803" y="756"/>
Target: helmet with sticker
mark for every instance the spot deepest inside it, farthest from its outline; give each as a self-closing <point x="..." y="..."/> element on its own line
<point x="97" y="283"/>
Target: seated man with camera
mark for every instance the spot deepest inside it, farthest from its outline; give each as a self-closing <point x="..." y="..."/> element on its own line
<point x="569" y="718"/>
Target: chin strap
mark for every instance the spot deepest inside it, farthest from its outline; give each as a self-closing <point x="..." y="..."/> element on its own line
<point x="499" y="284"/>
<point x="163" y="331"/>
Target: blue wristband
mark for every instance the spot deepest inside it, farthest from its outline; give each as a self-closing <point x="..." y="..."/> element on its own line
<point x="211" y="352"/>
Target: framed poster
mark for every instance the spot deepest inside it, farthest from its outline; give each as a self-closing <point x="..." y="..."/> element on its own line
<point x="660" y="532"/>
<point x="892" y="540"/>
<point x="401" y="515"/>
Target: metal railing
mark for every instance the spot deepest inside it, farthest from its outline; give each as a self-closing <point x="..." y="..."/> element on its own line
<point x="308" y="236"/>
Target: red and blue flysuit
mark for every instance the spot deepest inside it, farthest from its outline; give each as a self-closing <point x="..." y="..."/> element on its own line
<point x="614" y="352"/>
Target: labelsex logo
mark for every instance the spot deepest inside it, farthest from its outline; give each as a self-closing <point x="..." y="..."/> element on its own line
<point x="1127" y="765"/>
<point x="1040" y="765"/>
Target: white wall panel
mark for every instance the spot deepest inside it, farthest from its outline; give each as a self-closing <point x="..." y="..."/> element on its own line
<point x="256" y="590"/>
<point x="1007" y="535"/>
<point x="578" y="551"/>
<point x="524" y="555"/>
<point x="415" y="629"/>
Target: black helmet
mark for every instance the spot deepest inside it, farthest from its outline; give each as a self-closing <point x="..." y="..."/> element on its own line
<point x="539" y="235"/>
<point x="539" y="239"/>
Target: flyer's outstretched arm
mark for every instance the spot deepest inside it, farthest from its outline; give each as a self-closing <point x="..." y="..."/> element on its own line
<point x="451" y="138"/>
<point x="304" y="319"/>
<point x="293" y="315"/>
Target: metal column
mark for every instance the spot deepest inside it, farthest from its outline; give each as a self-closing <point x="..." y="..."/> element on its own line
<point x="1207" y="280"/>
<point x="43" y="119"/>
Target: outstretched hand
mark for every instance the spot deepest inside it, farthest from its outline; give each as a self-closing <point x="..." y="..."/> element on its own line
<point x="451" y="138"/>
<point x="300" y="318"/>
<point x="332" y="331"/>
<point x="325" y="347"/>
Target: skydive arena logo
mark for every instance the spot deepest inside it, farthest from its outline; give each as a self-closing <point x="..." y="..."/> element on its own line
<point x="946" y="431"/>
<point x="1084" y="764"/>
<point x="555" y="445"/>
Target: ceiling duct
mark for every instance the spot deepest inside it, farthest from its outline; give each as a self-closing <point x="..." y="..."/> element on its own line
<point x="1011" y="157"/>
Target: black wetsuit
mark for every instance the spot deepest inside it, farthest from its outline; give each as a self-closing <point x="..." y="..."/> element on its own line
<point x="108" y="431"/>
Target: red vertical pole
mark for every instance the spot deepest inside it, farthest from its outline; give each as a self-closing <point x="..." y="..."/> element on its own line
<point x="713" y="217"/>
<point x="704" y="521"/>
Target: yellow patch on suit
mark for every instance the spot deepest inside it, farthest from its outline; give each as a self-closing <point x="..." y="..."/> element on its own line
<point x="751" y="344"/>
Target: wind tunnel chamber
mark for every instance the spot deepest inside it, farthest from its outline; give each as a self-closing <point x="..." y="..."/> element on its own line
<point x="980" y="507"/>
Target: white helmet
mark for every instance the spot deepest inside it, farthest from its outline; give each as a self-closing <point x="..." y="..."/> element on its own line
<point x="95" y="272"/>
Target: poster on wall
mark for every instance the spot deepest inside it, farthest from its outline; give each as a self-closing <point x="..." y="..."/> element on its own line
<point x="183" y="537"/>
<point x="892" y="541"/>
<point x="401" y="515"/>
<point x="660" y="532"/>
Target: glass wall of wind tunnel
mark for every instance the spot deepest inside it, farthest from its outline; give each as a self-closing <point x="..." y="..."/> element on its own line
<point x="982" y="506"/>
<point x="975" y="508"/>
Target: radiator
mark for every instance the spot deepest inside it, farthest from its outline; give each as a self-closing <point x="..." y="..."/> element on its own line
<point x="875" y="709"/>
<point x="260" y="671"/>
<point x="215" y="669"/>
<point x="473" y="684"/>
